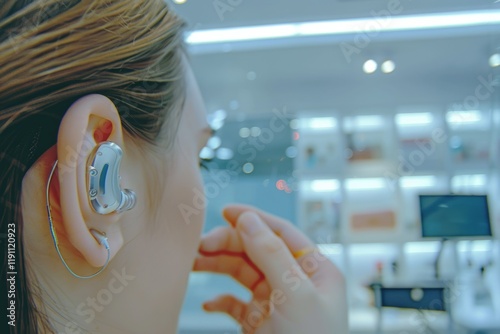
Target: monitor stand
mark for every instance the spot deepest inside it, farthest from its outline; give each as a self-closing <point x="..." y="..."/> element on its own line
<point x="436" y="262"/>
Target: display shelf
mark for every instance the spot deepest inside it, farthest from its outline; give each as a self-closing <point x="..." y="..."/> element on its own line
<point x="374" y="166"/>
<point x="470" y="150"/>
<point x="366" y="139"/>
<point x="320" y="147"/>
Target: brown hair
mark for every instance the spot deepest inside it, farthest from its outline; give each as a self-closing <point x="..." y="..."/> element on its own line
<point x="53" y="52"/>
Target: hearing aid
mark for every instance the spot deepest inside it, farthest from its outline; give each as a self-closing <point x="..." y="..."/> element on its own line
<point x="103" y="180"/>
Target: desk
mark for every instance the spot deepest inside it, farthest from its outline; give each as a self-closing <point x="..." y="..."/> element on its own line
<point x="431" y="296"/>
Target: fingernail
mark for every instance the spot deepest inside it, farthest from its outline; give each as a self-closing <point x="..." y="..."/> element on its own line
<point x="250" y="223"/>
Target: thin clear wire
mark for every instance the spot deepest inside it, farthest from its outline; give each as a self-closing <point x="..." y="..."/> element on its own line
<point x="54" y="237"/>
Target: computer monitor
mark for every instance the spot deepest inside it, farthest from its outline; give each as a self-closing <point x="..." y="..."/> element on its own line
<point x="455" y="216"/>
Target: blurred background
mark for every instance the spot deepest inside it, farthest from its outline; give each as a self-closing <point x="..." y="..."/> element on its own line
<point x="372" y="125"/>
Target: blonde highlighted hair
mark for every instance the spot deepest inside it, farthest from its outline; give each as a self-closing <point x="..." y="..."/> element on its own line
<point x="54" y="52"/>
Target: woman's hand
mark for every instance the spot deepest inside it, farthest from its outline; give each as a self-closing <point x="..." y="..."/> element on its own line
<point x="294" y="288"/>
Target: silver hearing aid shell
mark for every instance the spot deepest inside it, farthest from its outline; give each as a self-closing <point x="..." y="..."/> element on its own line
<point x="103" y="178"/>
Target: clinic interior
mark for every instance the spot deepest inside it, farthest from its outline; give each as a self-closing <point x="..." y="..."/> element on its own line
<point x="372" y="125"/>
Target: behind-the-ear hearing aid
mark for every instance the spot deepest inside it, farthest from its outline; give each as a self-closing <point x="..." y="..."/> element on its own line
<point x="104" y="192"/>
<point x="103" y="180"/>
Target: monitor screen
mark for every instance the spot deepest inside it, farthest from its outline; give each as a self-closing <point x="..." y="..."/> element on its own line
<point x="449" y="216"/>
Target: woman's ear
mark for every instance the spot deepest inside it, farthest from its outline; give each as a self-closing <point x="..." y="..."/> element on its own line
<point x="89" y="121"/>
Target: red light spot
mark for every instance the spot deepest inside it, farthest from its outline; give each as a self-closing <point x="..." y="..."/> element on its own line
<point x="296" y="135"/>
<point x="280" y="184"/>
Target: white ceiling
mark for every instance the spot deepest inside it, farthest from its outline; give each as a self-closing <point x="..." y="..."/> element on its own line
<point x="202" y="14"/>
<point x="437" y="68"/>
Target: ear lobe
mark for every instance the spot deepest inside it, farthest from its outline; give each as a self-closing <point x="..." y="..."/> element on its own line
<point x="89" y="121"/>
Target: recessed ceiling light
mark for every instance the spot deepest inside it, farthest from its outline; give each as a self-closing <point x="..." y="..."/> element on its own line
<point x="388" y="66"/>
<point x="179" y="2"/>
<point x="495" y="60"/>
<point x="370" y="66"/>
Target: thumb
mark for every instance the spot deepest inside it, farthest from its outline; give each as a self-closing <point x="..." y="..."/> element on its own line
<point x="272" y="257"/>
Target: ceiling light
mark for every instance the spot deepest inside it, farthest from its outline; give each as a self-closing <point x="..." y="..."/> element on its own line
<point x="324" y="185"/>
<point x="370" y="66"/>
<point x="241" y="34"/>
<point x="423" y="181"/>
<point x="388" y="66"/>
<point x="318" y="123"/>
<point x="368" y="122"/>
<point x="365" y="183"/>
<point x="475" y="180"/>
<point x="372" y="249"/>
<point x="179" y="2"/>
<point x="469" y="116"/>
<point x="351" y="26"/>
<point x="409" y="119"/>
<point x="421" y="247"/>
<point x="495" y="60"/>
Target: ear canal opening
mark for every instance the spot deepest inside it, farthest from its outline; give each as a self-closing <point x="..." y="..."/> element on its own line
<point x="103" y="131"/>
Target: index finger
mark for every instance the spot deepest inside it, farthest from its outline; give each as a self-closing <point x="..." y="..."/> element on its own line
<point x="295" y="240"/>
